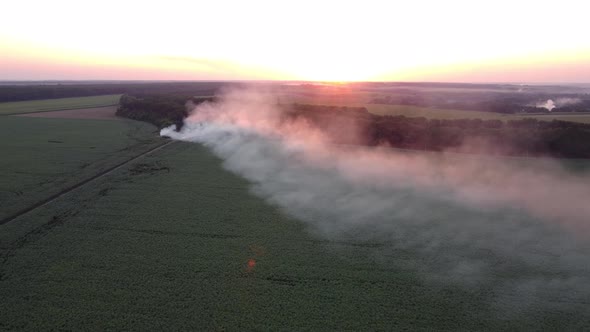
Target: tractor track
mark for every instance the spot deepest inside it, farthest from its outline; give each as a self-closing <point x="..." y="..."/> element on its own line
<point x="73" y="187"/>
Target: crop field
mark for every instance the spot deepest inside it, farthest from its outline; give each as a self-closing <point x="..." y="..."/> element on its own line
<point x="96" y="113"/>
<point x="173" y="241"/>
<point x="46" y="105"/>
<point x="43" y="156"/>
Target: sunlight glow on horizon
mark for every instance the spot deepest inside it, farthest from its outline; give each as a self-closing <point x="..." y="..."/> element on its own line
<point x="303" y="40"/>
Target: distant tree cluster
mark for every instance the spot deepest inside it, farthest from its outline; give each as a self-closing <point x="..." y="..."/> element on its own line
<point x="581" y="106"/>
<point x="50" y="91"/>
<point x="163" y="104"/>
<point x="529" y="137"/>
<point x="355" y="125"/>
<point x="160" y="110"/>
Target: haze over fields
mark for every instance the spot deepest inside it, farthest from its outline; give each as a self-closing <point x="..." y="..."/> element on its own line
<point x="458" y="40"/>
<point x="447" y="209"/>
<point x="295" y="165"/>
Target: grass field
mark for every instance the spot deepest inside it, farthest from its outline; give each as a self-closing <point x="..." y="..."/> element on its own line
<point x="20" y="107"/>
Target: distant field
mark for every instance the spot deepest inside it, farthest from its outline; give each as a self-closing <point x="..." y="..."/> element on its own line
<point x="434" y="113"/>
<point x="93" y="113"/>
<point x="45" y="105"/>
<point x="362" y="99"/>
<point x="416" y="111"/>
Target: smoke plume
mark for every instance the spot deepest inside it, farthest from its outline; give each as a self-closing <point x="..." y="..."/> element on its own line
<point x="559" y="102"/>
<point x="549" y="105"/>
<point x="517" y="228"/>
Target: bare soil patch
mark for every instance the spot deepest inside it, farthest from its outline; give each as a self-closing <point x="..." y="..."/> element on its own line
<point x="104" y="113"/>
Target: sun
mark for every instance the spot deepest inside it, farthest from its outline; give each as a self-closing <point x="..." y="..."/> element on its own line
<point x="332" y="68"/>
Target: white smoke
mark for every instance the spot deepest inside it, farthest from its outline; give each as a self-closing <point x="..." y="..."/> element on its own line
<point x="549" y="105"/>
<point x="514" y="227"/>
<point x="559" y="102"/>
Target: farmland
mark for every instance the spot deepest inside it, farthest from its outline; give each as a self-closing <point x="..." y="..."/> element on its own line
<point x="172" y="240"/>
<point x="437" y="101"/>
<point x="47" y="155"/>
<point x="96" y="113"/>
<point x="120" y="255"/>
<point x="430" y="113"/>
<point x="20" y="107"/>
<point x="443" y="113"/>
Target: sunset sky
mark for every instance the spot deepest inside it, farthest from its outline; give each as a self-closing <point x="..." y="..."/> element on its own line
<point x="469" y="41"/>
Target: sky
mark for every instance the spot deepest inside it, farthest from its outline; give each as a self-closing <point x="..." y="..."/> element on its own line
<point x="459" y="41"/>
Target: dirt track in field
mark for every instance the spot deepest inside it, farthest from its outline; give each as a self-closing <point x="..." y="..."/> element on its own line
<point x="94" y="113"/>
<point x="81" y="183"/>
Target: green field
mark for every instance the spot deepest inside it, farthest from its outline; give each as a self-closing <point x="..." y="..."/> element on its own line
<point x="46" y="105"/>
<point x="165" y="243"/>
<point x="44" y="156"/>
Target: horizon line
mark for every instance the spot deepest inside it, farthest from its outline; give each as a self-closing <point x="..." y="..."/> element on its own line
<point x="4" y="81"/>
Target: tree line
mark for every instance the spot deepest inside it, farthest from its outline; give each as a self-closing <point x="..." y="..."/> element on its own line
<point x="355" y="125"/>
<point x="50" y="91"/>
<point x="161" y="110"/>
<point x="524" y="137"/>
